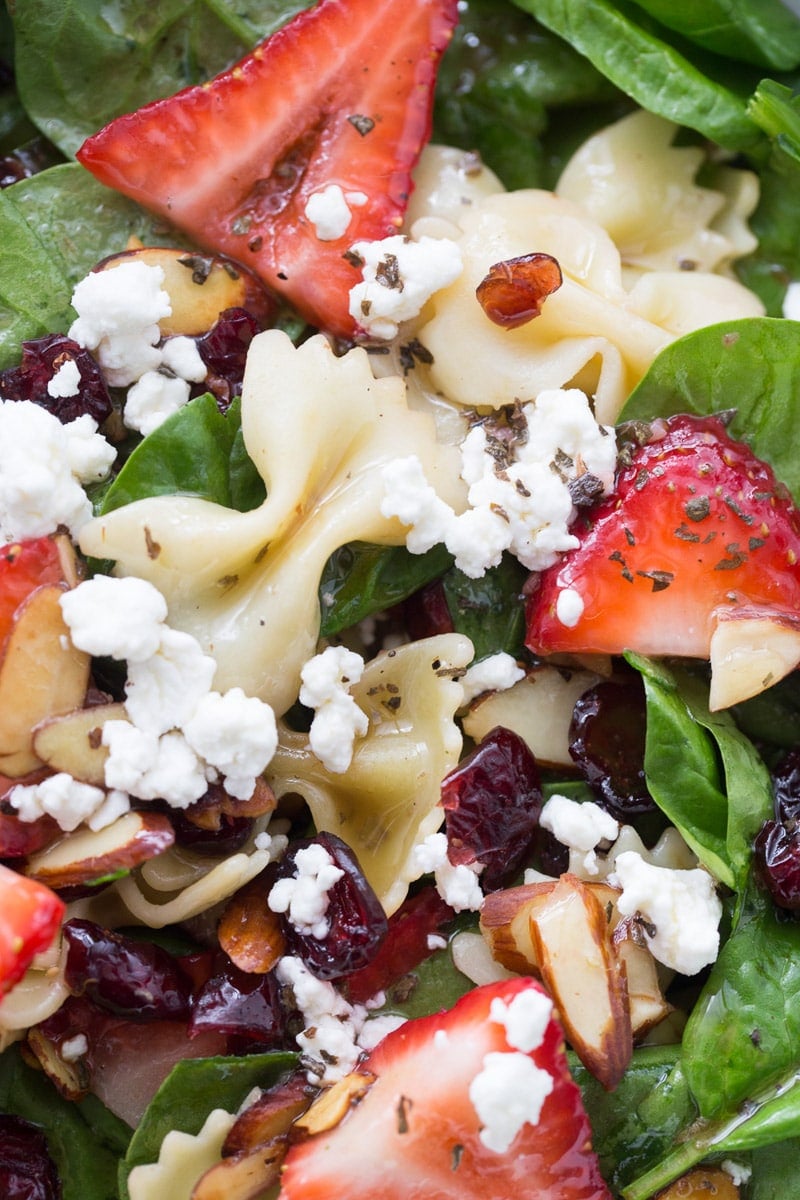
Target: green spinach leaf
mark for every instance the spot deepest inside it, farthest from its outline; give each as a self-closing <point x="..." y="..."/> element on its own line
<point x="361" y="579"/>
<point x="750" y="366"/>
<point x="763" y="32"/>
<point x="489" y="611"/>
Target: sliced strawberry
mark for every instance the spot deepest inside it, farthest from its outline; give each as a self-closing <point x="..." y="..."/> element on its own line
<point x="30" y="915"/>
<point x="341" y="95"/>
<point x="696" y="533"/>
<point x="24" y="566"/>
<point x="416" y="1133"/>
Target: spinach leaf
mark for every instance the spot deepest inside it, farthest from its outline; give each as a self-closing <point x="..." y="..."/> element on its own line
<point x="669" y="77"/>
<point x="773" y="717"/>
<point x="193" y="1088"/>
<point x="489" y="611"/>
<point x="198" y="451"/>
<point x="751" y="366"/>
<point x="85" y="1140"/>
<point x="763" y="32"/>
<point x="83" y="62"/>
<point x="775" y="1174"/>
<point x="54" y="227"/>
<point x="360" y="579"/>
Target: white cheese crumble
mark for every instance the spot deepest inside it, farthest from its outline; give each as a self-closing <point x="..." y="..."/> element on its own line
<point x="66" y="381"/>
<point x="43" y="465"/>
<point x="330" y="211"/>
<point x="118" y="314"/>
<point x="581" y="827"/>
<point x="681" y="911"/>
<point x="739" y="1172"/>
<point x="525" y="1018"/>
<point x="75" y="1047"/>
<point x="399" y="277"/>
<point x="181" y="356"/>
<point x="338" y="721"/>
<point x="493" y="674"/>
<point x="303" y="897"/>
<point x="153" y="398"/>
<point x="507" y="1094"/>
<point x="236" y="734"/>
<point x="458" y="886"/>
<point x="791" y="302"/>
<point x="569" y="607"/>
<point x="115" y="618"/>
<point x="69" y="802"/>
<point x="518" y="492"/>
<point x="162" y="692"/>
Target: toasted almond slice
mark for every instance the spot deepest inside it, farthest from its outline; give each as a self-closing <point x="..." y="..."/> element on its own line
<point x="538" y="708"/>
<point x="749" y="652"/>
<point x="269" y="1116"/>
<point x="41" y="675"/>
<point x="333" y="1105"/>
<point x="579" y="968"/>
<point x="249" y="931"/>
<point x="71" y="1078"/>
<point x="645" y="996"/>
<point x="200" y="287"/>
<point x="506" y="925"/>
<point x="87" y="856"/>
<point x="701" y="1183"/>
<point x="243" y="1176"/>
<point x="72" y="742"/>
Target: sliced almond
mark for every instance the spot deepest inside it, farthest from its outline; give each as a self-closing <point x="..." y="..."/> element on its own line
<point x="200" y="287"/>
<point x="749" y="652"/>
<point x="243" y="1176"/>
<point x="249" y="931"/>
<point x="41" y="675"/>
<point x="73" y="742"/>
<point x="333" y="1105"/>
<point x="86" y="856"/>
<point x="506" y="925"/>
<point x="645" y="996"/>
<point x="538" y="708"/>
<point x="701" y="1183"/>
<point x="271" y="1115"/>
<point x="71" y="1078"/>
<point x="585" y="978"/>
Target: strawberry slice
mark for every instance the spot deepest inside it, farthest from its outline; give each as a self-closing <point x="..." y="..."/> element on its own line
<point x="30" y="915"/>
<point x="417" y="1134"/>
<point x="697" y="533"/>
<point x="340" y="96"/>
<point x="24" y="566"/>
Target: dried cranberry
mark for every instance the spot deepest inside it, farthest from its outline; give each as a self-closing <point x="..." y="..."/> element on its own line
<point x="230" y="836"/>
<point x="224" y="351"/>
<point x="26" y="160"/>
<point x="41" y="359"/>
<point x="786" y="786"/>
<point x="607" y="742"/>
<point x="27" y="1172"/>
<point x="777" y="860"/>
<point x="135" y="979"/>
<point x="492" y="802"/>
<point x="426" y="613"/>
<point x="356" y="921"/>
<point x="244" y="1007"/>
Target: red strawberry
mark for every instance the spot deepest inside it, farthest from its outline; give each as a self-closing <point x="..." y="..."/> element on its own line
<point x="24" y="566"/>
<point x="341" y="95"/>
<point x="30" y="915"/>
<point x="416" y="1134"/>
<point x="696" y="533"/>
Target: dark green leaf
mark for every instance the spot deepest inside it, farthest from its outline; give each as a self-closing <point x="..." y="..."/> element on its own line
<point x="773" y="717"/>
<point x="361" y="579"/>
<point x="85" y="1140"/>
<point x="681" y="83"/>
<point x="775" y="1174"/>
<point x="751" y="366"/>
<point x="763" y="32"/>
<point x="489" y="611"/>
<point x="198" y="451"/>
<point x="191" y="1091"/>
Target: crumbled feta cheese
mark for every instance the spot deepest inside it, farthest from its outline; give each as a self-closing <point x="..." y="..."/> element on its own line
<point x="525" y="1018"/>
<point x="118" y="314"/>
<point x="66" y="381"/>
<point x="458" y="886"/>
<point x="493" y="674"/>
<point x="791" y="302"/>
<point x="236" y="734"/>
<point x="569" y="607"/>
<point x="507" y="1094"/>
<point x="399" y="277"/>
<point x="153" y="398"/>
<point x="59" y="796"/>
<point x="181" y="356"/>
<point x="115" y="618"/>
<point x="681" y="911"/>
<point x="152" y="767"/>
<point x="75" y="1047"/>
<point x="739" y="1172"/>
<point x="581" y="827"/>
<point x="338" y="720"/>
<point x="42" y="466"/>
<point x="518" y="488"/>
<point x="435" y="941"/>
<point x="163" y="691"/>
<point x="276" y="844"/>
<point x="330" y="211"/>
<point x="303" y="897"/>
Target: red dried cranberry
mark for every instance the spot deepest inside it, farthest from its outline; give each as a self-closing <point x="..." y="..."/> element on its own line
<point x="426" y="613"/>
<point x="492" y="802"/>
<point x="356" y="921"/>
<point x="224" y="351"/>
<point x="607" y="742"/>
<point x="786" y="786"/>
<point x="245" y="1008"/>
<point x="777" y="861"/>
<point x="27" y="1172"/>
<point x="134" y="979"/>
<point x="41" y="359"/>
<point x="231" y="835"/>
<point x="406" y="945"/>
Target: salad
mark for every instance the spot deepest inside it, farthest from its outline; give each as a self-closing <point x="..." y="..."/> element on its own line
<point x="399" y="600"/>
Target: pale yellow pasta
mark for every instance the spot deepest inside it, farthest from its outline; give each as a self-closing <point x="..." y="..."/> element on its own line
<point x="319" y="429"/>
<point x="182" y="1159"/>
<point x="35" y="998"/>
<point x="641" y="189"/>
<point x="220" y="882"/>
<point x="387" y="801"/>
<point x="447" y="183"/>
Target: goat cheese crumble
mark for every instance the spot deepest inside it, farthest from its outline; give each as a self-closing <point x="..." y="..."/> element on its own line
<point x="118" y="314"/>
<point x="330" y="211"/>
<point x="459" y="885"/>
<point x="304" y="897"/>
<point x="399" y="277"/>
<point x="507" y="1094"/>
<point x="338" y="721"/>
<point x="496" y="673"/>
<point x="581" y="827"/>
